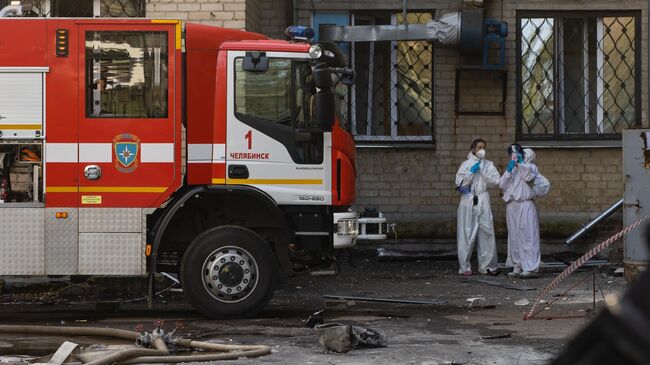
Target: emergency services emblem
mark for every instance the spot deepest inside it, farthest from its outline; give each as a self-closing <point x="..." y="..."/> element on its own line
<point x="126" y="148"/>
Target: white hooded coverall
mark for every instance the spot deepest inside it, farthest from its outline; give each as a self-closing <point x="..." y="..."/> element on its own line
<point x="521" y="217"/>
<point x="474" y="222"/>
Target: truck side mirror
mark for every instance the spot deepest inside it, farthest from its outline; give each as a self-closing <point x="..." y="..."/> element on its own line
<point x="325" y="109"/>
<point x="322" y="76"/>
<point x="255" y="62"/>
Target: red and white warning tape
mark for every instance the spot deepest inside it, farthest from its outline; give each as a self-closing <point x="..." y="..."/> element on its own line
<point x="579" y="262"/>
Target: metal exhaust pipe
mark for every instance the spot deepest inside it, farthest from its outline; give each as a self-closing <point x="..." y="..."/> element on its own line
<point x="589" y="226"/>
<point x="11" y="11"/>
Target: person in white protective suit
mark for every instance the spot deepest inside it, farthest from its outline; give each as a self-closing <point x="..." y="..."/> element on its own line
<point x="474" y="218"/>
<point x="541" y="185"/>
<point x="517" y="183"/>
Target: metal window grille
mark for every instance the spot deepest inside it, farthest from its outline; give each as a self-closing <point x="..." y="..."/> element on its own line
<point x="84" y="8"/>
<point x="392" y="98"/>
<point x="578" y="75"/>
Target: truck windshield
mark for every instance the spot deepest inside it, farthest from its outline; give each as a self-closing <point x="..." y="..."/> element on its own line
<point x="283" y="94"/>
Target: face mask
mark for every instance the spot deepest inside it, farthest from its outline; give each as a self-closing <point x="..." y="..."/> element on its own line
<point x="480" y="154"/>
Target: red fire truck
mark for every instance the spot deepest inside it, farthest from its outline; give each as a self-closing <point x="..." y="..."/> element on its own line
<point x="135" y="146"/>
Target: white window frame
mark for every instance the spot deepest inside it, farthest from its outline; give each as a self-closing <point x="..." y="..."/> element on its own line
<point x="394" y="114"/>
<point x="586" y="66"/>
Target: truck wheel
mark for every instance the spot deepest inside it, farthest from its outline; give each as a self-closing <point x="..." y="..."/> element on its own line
<point x="228" y="271"/>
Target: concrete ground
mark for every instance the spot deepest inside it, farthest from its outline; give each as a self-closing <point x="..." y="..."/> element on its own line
<point x="417" y="334"/>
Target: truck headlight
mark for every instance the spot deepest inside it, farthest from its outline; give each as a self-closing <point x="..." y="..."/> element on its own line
<point x="347" y="227"/>
<point x="315" y="51"/>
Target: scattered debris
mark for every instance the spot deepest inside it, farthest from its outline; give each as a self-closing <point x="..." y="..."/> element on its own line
<point x="324" y="272"/>
<point x="385" y="300"/>
<point x="522" y="302"/>
<point x="171" y="277"/>
<point x="619" y="272"/>
<point x="315" y="319"/>
<point x="15" y="360"/>
<point x="472" y="301"/>
<point x="499" y="284"/>
<point x="563" y="295"/>
<point x="339" y="304"/>
<point x="62" y="353"/>
<point x="342" y="338"/>
<point x="505" y="335"/>
<point x="391" y="254"/>
<point x="562" y="264"/>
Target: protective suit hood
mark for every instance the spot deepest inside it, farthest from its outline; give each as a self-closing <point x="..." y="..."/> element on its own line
<point x="472" y="157"/>
<point x="529" y="155"/>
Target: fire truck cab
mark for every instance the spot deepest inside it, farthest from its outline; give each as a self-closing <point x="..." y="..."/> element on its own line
<point x="130" y="147"/>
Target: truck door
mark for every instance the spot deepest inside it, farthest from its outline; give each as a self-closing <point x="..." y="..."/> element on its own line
<point x="273" y="142"/>
<point x="127" y="129"/>
<point x="128" y="139"/>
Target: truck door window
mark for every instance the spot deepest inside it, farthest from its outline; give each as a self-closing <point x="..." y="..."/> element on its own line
<point x="279" y="102"/>
<point x="126" y="74"/>
<point x="264" y="95"/>
<point x="268" y="95"/>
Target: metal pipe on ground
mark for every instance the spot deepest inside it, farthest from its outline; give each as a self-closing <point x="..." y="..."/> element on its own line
<point x="589" y="226"/>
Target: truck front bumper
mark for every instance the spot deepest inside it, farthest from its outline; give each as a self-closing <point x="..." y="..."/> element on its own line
<point x="350" y="227"/>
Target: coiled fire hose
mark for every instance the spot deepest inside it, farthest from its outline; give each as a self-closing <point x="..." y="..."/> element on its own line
<point x="139" y="355"/>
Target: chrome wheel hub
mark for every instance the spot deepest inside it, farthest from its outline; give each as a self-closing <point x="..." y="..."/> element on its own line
<point x="230" y="274"/>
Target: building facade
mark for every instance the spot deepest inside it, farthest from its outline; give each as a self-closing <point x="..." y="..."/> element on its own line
<point x="574" y="76"/>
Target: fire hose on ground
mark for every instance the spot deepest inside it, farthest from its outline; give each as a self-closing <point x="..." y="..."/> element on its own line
<point x="138" y="355"/>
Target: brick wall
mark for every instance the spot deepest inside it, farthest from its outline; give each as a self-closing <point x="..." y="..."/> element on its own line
<point x="266" y="17"/>
<point x="222" y="13"/>
<point x="253" y="15"/>
<point x="416" y="186"/>
<point x="275" y="16"/>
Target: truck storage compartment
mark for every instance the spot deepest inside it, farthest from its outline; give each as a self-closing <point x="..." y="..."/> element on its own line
<point x="21" y="172"/>
<point x="22" y="102"/>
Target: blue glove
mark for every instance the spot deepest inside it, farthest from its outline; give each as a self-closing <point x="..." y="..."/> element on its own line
<point x="511" y="166"/>
<point x="476" y="167"/>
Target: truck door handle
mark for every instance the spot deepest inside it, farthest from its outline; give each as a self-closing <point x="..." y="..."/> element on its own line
<point x="238" y="172"/>
<point x="92" y="172"/>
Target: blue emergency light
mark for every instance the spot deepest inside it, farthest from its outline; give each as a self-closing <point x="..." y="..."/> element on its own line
<point x="299" y="33"/>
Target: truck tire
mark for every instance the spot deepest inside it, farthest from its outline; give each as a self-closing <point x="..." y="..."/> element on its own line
<point x="228" y="271"/>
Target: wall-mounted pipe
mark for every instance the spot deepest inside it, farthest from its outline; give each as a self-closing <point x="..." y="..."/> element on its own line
<point x="589" y="226"/>
<point x="11" y="11"/>
<point x="463" y="29"/>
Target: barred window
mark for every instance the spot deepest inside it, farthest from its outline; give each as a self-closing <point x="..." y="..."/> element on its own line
<point x="578" y="75"/>
<point x="392" y="98"/>
<point x="84" y="8"/>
